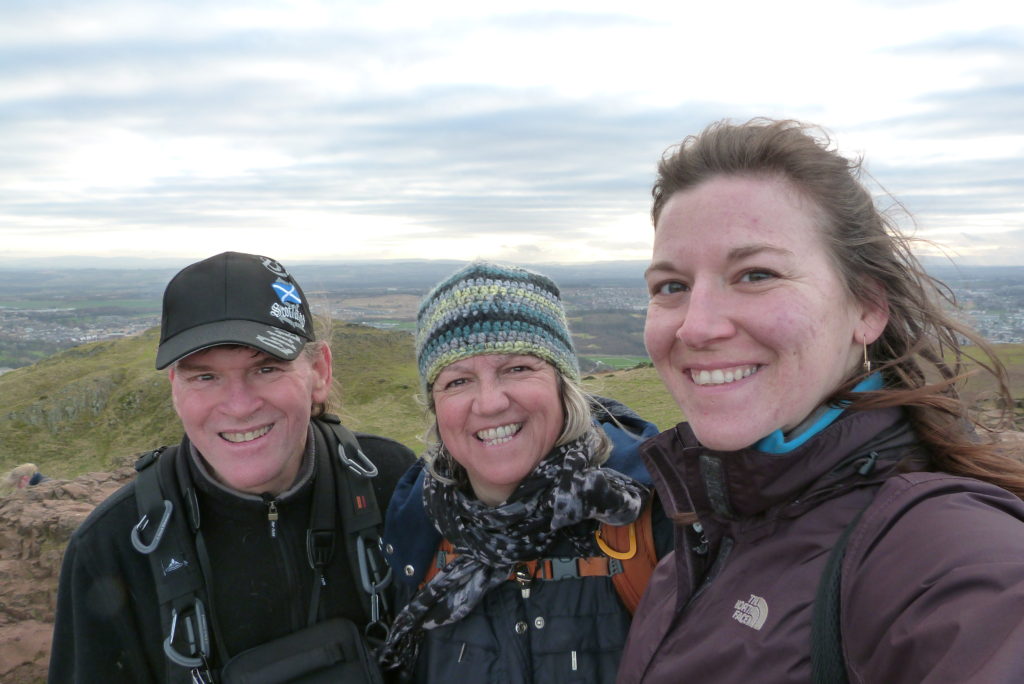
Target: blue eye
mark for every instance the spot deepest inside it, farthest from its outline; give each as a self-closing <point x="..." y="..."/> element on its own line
<point x="756" y="275"/>
<point x="670" y="287"/>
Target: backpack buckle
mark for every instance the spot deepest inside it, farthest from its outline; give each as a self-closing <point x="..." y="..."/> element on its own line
<point x="319" y="547"/>
<point x="564" y="568"/>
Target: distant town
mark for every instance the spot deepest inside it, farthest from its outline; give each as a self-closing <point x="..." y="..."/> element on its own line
<point x="42" y="312"/>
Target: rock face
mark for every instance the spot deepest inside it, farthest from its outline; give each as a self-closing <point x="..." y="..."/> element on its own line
<point x="35" y="524"/>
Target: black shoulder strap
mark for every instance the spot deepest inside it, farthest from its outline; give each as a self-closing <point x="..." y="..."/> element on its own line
<point x="827" y="662"/>
<point x="361" y="518"/>
<point x="359" y="509"/>
<point x="176" y="569"/>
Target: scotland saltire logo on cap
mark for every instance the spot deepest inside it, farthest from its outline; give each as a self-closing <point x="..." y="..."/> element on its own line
<point x="288" y="293"/>
<point x="290" y="309"/>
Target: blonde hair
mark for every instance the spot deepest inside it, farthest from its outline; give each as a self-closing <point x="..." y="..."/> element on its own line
<point x="12" y="479"/>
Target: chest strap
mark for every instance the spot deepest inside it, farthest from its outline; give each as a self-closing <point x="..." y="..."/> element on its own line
<point x="629" y="560"/>
<point x="552" y="569"/>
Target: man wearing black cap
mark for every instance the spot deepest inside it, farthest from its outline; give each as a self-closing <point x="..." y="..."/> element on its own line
<point x="242" y="563"/>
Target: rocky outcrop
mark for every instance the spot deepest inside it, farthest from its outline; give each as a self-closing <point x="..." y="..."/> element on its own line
<point x="35" y="524"/>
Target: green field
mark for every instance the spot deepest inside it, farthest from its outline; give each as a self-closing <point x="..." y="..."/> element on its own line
<point x="618" y="362"/>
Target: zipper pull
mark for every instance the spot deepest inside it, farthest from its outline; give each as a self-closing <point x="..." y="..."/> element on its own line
<point x="272" y="518"/>
<point x="702" y="546"/>
<point x="524" y="578"/>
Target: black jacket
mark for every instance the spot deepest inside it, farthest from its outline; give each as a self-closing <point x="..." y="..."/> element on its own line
<point x="108" y="624"/>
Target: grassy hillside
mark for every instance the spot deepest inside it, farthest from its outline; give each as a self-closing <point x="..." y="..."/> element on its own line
<point x="95" y="406"/>
<point x="641" y="390"/>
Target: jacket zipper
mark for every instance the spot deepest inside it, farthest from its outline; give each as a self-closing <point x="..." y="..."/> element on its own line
<point x="285" y="558"/>
<point x="272" y="517"/>
<point x="724" y="548"/>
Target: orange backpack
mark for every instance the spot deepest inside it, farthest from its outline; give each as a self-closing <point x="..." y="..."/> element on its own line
<point x="628" y="558"/>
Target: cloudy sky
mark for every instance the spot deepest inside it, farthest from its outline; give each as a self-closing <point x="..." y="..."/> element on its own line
<point x="523" y="131"/>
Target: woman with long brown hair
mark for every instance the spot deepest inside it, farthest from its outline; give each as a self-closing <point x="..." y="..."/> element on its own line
<point x="817" y="365"/>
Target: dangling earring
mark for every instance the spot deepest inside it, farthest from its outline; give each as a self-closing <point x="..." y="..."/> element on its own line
<point x="867" y="361"/>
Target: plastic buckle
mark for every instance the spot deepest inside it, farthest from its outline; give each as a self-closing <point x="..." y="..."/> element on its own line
<point x="319" y="547"/>
<point x="160" y="529"/>
<point x="196" y="634"/>
<point x="564" y="568"/>
<point x="614" y="567"/>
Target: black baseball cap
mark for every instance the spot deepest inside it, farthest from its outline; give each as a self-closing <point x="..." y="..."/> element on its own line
<point x="233" y="298"/>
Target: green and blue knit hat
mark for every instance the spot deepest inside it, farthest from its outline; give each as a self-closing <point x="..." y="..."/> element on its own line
<point x="485" y="308"/>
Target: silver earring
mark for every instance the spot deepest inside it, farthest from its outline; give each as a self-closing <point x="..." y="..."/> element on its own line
<point x="867" y="361"/>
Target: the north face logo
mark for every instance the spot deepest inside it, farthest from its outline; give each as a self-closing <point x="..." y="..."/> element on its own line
<point x="752" y="612"/>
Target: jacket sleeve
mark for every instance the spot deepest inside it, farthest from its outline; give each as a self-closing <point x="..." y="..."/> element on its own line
<point x="95" y="638"/>
<point x="933" y="584"/>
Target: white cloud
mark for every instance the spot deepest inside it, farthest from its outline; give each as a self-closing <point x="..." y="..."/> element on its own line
<point x="454" y="129"/>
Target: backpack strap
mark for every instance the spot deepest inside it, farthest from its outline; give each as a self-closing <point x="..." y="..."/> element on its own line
<point x="828" y="665"/>
<point x="628" y="559"/>
<point x="361" y="520"/>
<point x="637" y="559"/>
<point x="173" y="560"/>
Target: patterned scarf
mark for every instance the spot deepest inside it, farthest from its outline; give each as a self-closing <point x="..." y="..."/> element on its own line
<point x="563" y="490"/>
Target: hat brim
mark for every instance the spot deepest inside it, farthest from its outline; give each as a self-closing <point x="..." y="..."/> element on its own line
<point x="274" y="341"/>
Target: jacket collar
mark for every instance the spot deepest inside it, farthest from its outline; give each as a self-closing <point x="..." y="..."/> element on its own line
<point x="745" y="483"/>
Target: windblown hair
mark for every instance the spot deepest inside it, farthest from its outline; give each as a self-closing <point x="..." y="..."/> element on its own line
<point x="920" y="353"/>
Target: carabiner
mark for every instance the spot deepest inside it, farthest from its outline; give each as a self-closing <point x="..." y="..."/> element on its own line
<point x="361" y="465"/>
<point x="160" y="529"/>
<point x="197" y="632"/>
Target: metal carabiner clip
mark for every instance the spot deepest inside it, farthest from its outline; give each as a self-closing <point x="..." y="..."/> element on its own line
<point x="360" y="465"/>
<point x="160" y="529"/>
<point x="195" y="632"/>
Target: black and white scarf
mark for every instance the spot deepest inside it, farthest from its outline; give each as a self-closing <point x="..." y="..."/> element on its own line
<point x="564" y="489"/>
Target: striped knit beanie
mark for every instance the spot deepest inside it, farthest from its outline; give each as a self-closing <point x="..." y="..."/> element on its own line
<point x="485" y="308"/>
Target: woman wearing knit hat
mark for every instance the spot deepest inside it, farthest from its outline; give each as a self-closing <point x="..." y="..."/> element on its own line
<point x="523" y="470"/>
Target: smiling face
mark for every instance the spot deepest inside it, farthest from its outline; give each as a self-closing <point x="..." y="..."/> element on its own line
<point x="749" y="324"/>
<point x="498" y="415"/>
<point x="248" y="412"/>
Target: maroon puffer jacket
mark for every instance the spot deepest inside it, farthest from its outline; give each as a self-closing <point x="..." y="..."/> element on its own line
<point x="933" y="578"/>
